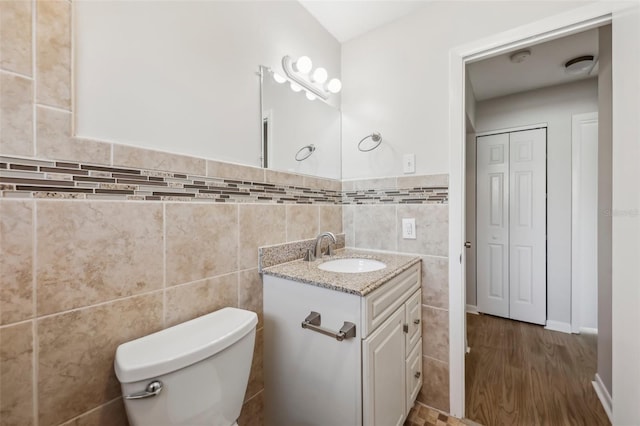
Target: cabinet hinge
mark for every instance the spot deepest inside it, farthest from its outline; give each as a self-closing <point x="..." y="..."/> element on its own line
<point x="405" y="328"/>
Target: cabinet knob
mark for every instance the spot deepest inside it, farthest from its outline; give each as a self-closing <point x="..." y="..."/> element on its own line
<point x="416" y="321"/>
<point x="417" y="375"/>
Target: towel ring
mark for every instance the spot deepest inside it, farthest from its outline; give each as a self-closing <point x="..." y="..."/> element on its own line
<point x="375" y="136"/>
<point x="310" y="148"/>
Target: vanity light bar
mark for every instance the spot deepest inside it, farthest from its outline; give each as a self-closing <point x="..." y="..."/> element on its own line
<point x="294" y="71"/>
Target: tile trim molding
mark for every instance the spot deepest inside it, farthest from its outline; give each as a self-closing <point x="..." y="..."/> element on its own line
<point x="31" y="178"/>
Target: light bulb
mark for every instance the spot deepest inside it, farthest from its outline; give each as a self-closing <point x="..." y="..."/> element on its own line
<point x="295" y="87"/>
<point x="303" y="64"/>
<point x="334" y="85"/>
<point x="319" y="75"/>
<point x="311" y="96"/>
<point x="278" y="78"/>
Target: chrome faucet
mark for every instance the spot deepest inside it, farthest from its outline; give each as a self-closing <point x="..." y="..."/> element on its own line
<point x="318" y="250"/>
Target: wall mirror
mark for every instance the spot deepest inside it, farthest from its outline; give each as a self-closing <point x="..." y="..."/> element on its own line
<point x="298" y="135"/>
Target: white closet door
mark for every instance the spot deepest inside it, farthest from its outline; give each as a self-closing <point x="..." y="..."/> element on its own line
<point x="492" y="224"/>
<point x="527" y="226"/>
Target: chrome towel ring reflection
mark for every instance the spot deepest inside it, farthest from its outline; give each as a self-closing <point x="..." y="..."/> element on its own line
<point x="375" y="136"/>
<point x="302" y="155"/>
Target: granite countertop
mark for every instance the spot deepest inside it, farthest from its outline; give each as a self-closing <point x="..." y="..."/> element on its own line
<point x="360" y="284"/>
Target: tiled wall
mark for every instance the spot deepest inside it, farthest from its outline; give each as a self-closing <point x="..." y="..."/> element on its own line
<point x="87" y="264"/>
<point x="378" y="226"/>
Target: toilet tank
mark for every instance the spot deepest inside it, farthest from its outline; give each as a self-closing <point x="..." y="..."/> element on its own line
<point x="203" y="365"/>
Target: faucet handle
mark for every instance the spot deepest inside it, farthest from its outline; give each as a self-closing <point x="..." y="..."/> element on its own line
<point x="309" y="256"/>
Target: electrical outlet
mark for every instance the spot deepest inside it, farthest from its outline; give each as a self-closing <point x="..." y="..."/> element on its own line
<point x="409" y="163"/>
<point x="409" y="228"/>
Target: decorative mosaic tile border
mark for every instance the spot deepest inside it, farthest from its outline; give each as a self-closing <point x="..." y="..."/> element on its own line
<point x="28" y="178"/>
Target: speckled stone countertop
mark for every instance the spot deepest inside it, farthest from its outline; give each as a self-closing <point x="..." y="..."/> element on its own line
<point x="360" y="284"/>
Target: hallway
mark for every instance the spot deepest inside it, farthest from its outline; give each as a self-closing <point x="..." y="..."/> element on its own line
<point x="521" y="374"/>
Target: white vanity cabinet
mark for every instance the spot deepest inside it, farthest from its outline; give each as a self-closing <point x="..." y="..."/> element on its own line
<point x="370" y="379"/>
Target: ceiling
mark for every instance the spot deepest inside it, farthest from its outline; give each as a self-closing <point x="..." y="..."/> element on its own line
<point x="347" y="19"/>
<point x="498" y="76"/>
<point x="490" y="78"/>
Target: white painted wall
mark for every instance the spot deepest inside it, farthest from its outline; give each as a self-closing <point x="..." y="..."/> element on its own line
<point x="396" y="81"/>
<point x="180" y="76"/>
<point x="553" y="106"/>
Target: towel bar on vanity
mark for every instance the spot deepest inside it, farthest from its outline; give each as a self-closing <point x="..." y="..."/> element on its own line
<point x="312" y="322"/>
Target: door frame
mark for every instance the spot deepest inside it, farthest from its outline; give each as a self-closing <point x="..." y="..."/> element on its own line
<point x="576" y="266"/>
<point x="561" y="25"/>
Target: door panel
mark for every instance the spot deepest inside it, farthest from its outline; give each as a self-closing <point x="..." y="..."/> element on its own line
<point x="493" y="224"/>
<point x="527" y="227"/>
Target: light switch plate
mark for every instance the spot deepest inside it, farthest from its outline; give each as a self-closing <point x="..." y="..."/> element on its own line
<point x="409" y="163"/>
<point x="409" y="228"/>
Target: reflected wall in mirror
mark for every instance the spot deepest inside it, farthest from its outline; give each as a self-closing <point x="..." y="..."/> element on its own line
<point x="294" y="126"/>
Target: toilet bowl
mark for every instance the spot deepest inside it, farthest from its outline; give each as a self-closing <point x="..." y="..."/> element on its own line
<point x="192" y="374"/>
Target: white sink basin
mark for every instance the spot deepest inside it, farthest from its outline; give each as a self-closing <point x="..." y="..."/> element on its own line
<point x="352" y="265"/>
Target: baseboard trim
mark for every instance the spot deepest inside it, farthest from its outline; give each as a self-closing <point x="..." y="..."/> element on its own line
<point x="603" y="396"/>
<point x="472" y="309"/>
<point x="588" y="330"/>
<point x="563" y="327"/>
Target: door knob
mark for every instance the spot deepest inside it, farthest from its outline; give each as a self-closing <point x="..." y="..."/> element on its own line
<point x="467" y="244"/>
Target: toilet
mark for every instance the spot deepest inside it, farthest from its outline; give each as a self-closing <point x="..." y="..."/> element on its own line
<point x="192" y="374"/>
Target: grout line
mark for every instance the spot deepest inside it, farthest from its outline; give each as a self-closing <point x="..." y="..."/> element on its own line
<point x="34" y="301"/>
<point x="434" y="359"/>
<point x="434" y="307"/>
<point x="164" y="263"/>
<point x="11" y="324"/>
<point x="238" y="237"/>
<point x="92" y="410"/>
<point x="52" y="108"/>
<point x="95" y="305"/>
<point x="256" y="394"/>
<point x="34" y="58"/>
<point x="16" y="74"/>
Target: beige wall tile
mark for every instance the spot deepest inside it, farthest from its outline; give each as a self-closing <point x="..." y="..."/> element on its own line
<point x="432" y="229"/>
<point x="302" y="222"/>
<point x="15" y="36"/>
<point x="348" y="227"/>
<point x="253" y="412"/>
<point x="110" y="414"/>
<point x="331" y="219"/>
<point x="348" y="185"/>
<point x="283" y="178"/>
<point x="53" y="140"/>
<point x="53" y="53"/>
<point x="256" y="378"/>
<point x="129" y="156"/>
<point x="91" y="252"/>
<point x="321" y="183"/>
<point x="16" y="375"/>
<point x="435" y="384"/>
<point x="16" y="114"/>
<point x="261" y="225"/>
<point x="189" y="301"/>
<point x="435" y="281"/>
<point x="16" y="260"/>
<point x="250" y="292"/>
<point x="202" y="241"/>
<point x="76" y="353"/>
<point x="439" y="180"/>
<point x="375" y="227"/>
<point x="234" y="171"/>
<point x="435" y="333"/>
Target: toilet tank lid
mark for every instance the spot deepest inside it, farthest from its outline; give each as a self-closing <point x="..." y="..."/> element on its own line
<point x="182" y="345"/>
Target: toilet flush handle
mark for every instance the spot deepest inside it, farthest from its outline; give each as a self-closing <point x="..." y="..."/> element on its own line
<point x="154" y="388"/>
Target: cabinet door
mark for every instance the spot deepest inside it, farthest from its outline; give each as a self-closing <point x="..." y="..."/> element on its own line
<point x="384" y="381"/>
<point x="413" y="320"/>
<point x="414" y="374"/>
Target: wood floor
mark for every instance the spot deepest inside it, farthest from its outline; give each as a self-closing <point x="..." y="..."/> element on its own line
<point x="522" y="374"/>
